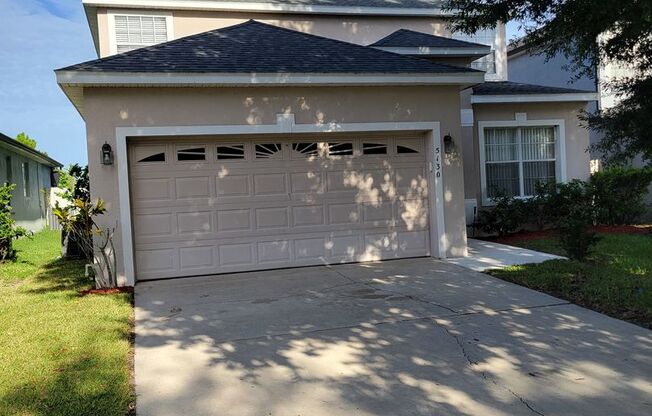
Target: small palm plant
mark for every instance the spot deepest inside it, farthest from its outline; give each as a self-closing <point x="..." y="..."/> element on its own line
<point x="95" y="243"/>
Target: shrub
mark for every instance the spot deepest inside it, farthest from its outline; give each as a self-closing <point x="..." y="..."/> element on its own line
<point x="8" y="230"/>
<point x="575" y="215"/>
<point x="576" y="236"/>
<point x="540" y="209"/>
<point x="506" y="216"/>
<point x="619" y="193"/>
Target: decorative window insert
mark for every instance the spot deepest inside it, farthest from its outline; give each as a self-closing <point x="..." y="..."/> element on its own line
<point x="307" y="149"/>
<point x="269" y="151"/>
<point x="372" y="148"/>
<point x="516" y="159"/>
<point x="137" y="31"/>
<point x="191" y="154"/>
<point x="27" y="185"/>
<point x="340" y="149"/>
<point x="231" y="152"/>
<point x="156" y="157"/>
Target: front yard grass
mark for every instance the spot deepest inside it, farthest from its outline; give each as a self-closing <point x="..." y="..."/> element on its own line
<point x="615" y="280"/>
<point x="60" y="353"/>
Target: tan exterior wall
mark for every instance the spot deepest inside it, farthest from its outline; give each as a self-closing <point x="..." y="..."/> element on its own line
<point x="108" y="108"/>
<point x="577" y="138"/>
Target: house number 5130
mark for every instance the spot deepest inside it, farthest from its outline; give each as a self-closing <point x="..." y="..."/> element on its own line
<point x="437" y="162"/>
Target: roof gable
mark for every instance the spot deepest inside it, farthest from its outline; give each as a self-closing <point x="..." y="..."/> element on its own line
<point x="254" y="47"/>
<point x="411" y="39"/>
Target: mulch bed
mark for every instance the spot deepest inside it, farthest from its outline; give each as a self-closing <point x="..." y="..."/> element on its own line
<point x="113" y="291"/>
<point x="601" y="229"/>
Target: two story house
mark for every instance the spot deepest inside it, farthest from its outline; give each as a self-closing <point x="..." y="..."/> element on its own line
<point x="244" y="135"/>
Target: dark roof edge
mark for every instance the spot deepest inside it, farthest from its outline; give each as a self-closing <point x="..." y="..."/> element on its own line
<point x="15" y="143"/>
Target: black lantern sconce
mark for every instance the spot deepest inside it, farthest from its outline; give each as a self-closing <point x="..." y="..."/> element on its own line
<point x="107" y="154"/>
<point x="448" y="144"/>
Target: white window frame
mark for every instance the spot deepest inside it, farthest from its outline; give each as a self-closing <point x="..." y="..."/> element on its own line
<point x="111" y="14"/>
<point x="522" y="121"/>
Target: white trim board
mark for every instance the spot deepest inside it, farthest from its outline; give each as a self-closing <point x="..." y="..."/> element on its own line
<point x="285" y="125"/>
<point x="533" y="98"/>
<point x="139" y="79"/>
<point x="520" y="120"/>
<point x="265" y="7"/>
<point x="432" y="51"/>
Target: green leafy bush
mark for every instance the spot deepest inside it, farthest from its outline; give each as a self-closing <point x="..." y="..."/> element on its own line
<point x="540" y="209"/>
<point x="619" y="193"/>
<point x="574" y="218"/>
<point x="506" y="216"/>
<point x="8" y="230"/>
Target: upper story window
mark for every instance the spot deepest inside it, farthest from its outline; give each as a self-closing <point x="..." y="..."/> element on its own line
<point x="483" y="37"/>
<point x="132" y="31"/>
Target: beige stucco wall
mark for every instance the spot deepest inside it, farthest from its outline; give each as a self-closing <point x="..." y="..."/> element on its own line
<point x="108" y="108"/>
<point x="576" y="136"/>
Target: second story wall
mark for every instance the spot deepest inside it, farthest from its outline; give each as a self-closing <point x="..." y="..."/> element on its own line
<point x="363" y="30"/>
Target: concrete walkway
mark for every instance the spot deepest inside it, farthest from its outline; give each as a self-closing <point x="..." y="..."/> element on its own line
<point x="485" y="255"/>
<point x="406" y="337"/>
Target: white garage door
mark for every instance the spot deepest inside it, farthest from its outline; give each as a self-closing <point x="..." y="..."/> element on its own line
<point x="214" y="206"/>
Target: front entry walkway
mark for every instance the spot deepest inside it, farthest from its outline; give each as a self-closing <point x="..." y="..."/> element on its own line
<point x="485" y="255"/>
<point x="405" y="337"/>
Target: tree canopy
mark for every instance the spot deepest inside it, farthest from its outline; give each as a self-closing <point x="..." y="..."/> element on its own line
<point x="591" y="34"/>
<point x="26" y="140"/>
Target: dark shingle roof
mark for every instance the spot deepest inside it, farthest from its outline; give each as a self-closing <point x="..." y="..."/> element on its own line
<point x="254" y="47"/>
<point x="38" y="155"/>
<point x="410" y="39"/>
<point x="515" y="88"/>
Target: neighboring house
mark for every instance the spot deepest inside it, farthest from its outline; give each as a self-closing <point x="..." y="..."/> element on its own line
<point x="33" y="174"/>
<point x="313" y="134"/>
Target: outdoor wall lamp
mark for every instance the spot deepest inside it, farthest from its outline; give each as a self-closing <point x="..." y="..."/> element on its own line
<point x="107" y="154"/>
<point x="448" y="143"/>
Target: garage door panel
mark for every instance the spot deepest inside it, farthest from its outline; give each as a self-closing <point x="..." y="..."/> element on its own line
<point x="154" y="189"/>
<point x="195" y="222"/>
<point x="270" y="184"/>
<point x="234" y="220"/>
<point x="232" y="185"/>
<point x="276" y="217"/>
<point x="193" y="187"/>
<point x="344" y="214"/>
<point x="288" y="209"/>
<point x="236" y="254"/>
<point x="310" y="215"/>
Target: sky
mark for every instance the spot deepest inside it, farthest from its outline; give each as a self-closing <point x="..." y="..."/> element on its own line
<point x="37" y="37"/>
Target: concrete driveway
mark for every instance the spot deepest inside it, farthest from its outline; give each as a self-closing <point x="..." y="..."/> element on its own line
<point x="406" y="337"/>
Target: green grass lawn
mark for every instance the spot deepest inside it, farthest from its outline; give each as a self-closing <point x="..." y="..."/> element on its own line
<point x="615" y="280"/>
<point x="60" y="354"/>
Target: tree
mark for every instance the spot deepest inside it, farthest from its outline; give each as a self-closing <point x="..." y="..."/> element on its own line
<point x="590" y="33"/>
<point x="26" y="140"/>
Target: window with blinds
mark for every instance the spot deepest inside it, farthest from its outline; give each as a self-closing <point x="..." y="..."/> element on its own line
<point x="516" y="159"/>
<point x="484" y="37"/>
<point x="133" y="32"/>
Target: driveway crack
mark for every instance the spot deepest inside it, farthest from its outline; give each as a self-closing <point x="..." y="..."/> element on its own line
<point x="483" y="374"/>
<point x="395" y="293"/>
